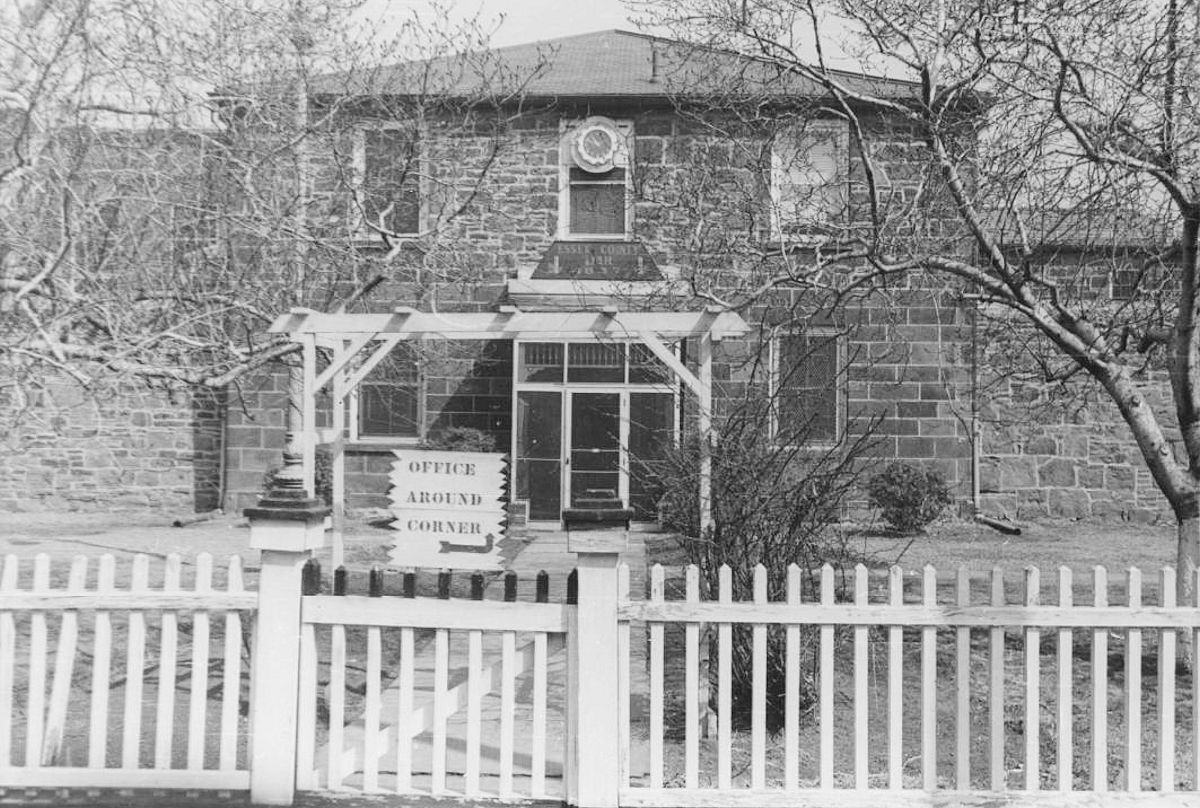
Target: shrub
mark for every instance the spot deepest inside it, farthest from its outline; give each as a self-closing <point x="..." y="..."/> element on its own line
<point x="460" y="439"/>
<point x="909" y="498"/>
<point x="774" y="499"/>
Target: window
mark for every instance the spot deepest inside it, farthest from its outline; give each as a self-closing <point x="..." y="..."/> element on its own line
<point x="809" y="179"/>
<point x="594" y="177"/>
<point x="805" y="375"/>
<point x="389" y="398"/>
<point x="388" y="162"/>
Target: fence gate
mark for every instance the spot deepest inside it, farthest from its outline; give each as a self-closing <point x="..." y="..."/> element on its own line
<point x="425" y="695"/>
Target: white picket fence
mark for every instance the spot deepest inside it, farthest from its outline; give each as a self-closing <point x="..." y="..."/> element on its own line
<point x="907" y="710"/>
<point x="892" y="689"/>
<point x="125" y="702"/>
<point x="442" y="717"/>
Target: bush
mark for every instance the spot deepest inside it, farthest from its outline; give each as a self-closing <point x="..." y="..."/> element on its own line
<point x="909" y="498"/>
<point x="460" y="439"/>
<point x="774" y="500"/>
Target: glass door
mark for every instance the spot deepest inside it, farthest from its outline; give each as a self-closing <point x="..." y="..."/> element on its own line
<point x="594" y="460"/>
<point x="539" y="452"/>
<point x="651" y="436"/>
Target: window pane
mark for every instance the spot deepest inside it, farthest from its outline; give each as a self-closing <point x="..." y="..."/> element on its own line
<point x="541" y="362"/>
<point x="809" y="170"/>
<point x="645" y="367"/>
<point x="595" y="362"/>
<point x="387" y="410"/>
<point x="807" y="387"/>
<point x="391" y="184"/>
<point x="389" y="398"/>
<point x="597" y="207"/>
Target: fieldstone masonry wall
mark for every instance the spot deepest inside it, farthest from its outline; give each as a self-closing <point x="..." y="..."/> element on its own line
<point x="109" y="448"/>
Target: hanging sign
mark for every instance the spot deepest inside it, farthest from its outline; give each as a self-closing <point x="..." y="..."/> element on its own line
<point x="449" y="509"/>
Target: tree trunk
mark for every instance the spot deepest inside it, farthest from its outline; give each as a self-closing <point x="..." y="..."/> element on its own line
<point x="1187" y="557"/>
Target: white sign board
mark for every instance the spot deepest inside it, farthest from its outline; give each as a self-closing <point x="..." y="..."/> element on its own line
<point x="449" y="509"/>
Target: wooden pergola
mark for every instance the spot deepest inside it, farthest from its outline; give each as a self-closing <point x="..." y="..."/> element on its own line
<point x="357" y="343"/>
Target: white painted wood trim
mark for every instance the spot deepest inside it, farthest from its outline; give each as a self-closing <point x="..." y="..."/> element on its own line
<point x="455" y="615"/>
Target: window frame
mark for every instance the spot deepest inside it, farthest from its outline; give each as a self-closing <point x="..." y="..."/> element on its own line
<point x="568" y="128"/>
<point x="362" y="230"/>
<point x="354" y="402"/>
<point x="838" y="381"/>
<point x="828" y="130"/>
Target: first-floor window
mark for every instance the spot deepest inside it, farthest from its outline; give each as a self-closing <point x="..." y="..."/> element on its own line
<point x="806" y="387"/>
<point x="389" y="398"/>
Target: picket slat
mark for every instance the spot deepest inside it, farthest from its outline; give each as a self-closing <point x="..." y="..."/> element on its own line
<point x="198" y="705"/>
<point x="1066" y="686"/>
<point x="1033" y="717"/>
<point x="8" y="658"/>
<point x="691" y="688"/>
<point x="474" y="710"/>
<point x="996" y="689"/>
<point x="371" y="701"/>
<point x="404" y="733"/>
<point x="758" y="687"/>
<point x="1166" y="688"/>
<point x="441" y="674"/>
<point x="1133" y="690"/>
<point x="135" y="668"/>
<point x="537" y="785"/>
<point x="508" y="708"/>
<point x="657" y="595"/>
<point x="962" y="686"/>
<point x="1100" y="688"/>
<point x="895" y="684"/>
<point x="64" y="668"/>
<point x="306" y="720"/>
<point x="826" y="684"/>
<point x="724" y="683"/>
<point x="231" y="673"/>
<point x="623" y="677"/>
<point x="337" y="706"/>
<point x="791" y="729"/>
<point x="929" y="685"/>
<point x="101" y="664"/>
<point x="860" y="683"/>
<point x="169" y="640"/>
<point x="35" y="712"/>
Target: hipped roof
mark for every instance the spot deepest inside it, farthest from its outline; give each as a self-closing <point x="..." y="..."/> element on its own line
<point x="603" y="64"/>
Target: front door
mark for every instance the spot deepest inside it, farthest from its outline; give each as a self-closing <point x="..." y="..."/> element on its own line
<point x="592" y="421"/>
<point x="594" y="461"/>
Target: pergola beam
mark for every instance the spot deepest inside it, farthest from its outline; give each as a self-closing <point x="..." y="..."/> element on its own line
<point x="573" y="325"/>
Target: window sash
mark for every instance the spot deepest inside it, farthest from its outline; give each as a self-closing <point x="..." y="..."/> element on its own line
<point x="389" y="180"/>
<point x="806" y="387"/>
<point x="809" y="182"/>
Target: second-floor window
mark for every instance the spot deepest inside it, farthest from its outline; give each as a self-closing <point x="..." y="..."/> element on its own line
<point x="594" y="195"/>
<point x="389" y="168"/>
<point x="809" y="179"/>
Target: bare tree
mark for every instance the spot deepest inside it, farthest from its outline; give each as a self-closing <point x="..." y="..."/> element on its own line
<point x="1039" y="124"/>
<point x="174" y="175"/>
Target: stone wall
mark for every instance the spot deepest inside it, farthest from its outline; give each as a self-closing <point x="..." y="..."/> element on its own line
<point x="1067" y="455"/>
<point x="110" y="447"/>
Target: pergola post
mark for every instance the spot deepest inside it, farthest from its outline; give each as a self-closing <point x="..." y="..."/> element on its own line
<point x="308" y="414"/>
<point x="704" y="426"/>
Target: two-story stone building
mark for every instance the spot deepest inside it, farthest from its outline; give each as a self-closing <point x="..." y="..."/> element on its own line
<point x="589" y="229"/>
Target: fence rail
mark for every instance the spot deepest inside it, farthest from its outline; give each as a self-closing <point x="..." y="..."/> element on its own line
<point x="125" y="702"/>
<point x="914" y="691"/>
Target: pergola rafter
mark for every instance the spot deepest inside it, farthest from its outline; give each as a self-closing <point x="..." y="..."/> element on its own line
<point x="356" y="343"/>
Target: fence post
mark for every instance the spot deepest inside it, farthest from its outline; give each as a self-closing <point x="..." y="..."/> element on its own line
<point x="287" y="525"/>
<point x="593" y="742"/>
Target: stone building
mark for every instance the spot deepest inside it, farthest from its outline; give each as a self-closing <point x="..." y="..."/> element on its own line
<point x="613" y="179"/>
